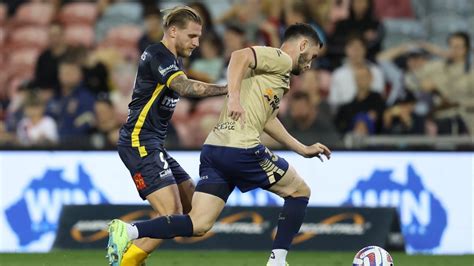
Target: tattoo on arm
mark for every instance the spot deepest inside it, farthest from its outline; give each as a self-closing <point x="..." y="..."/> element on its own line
<point x="193" y="88"/>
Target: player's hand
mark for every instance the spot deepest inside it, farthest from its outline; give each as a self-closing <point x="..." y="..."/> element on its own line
<point x="235" y="111"/>
<point x="317" y="150"/>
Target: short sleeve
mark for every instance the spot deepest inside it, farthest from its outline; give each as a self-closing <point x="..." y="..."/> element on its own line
<point x="271" y="60"/>
<point x="165" y="68"/>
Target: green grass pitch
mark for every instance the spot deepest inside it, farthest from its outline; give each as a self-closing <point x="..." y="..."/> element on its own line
<point x="222" y="258"/>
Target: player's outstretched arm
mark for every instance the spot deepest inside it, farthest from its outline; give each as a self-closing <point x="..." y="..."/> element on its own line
<point x="196" y="89"/>
<point x="276" y="130"/>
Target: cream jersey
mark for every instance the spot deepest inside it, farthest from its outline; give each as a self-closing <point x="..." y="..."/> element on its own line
<point x="261" y="91"/>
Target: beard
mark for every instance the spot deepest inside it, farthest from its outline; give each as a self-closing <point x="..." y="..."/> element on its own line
<point x="299" y="66"/>
<point x="182" y="51"/>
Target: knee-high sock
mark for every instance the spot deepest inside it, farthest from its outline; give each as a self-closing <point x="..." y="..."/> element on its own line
<point x="290" y="221"/>
<point x="165" y="227"/>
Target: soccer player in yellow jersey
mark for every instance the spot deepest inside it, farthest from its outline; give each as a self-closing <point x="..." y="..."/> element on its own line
<point x="233" y="156"/>
<point x="159" y="83"/>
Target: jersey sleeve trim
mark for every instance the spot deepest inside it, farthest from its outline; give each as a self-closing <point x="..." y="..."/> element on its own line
<point x="141" y="120"/>
<point x="254" y="56"/>
<point x="168" y="82"/>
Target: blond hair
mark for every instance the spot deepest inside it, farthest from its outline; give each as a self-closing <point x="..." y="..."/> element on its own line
<point x="179" y="16"/>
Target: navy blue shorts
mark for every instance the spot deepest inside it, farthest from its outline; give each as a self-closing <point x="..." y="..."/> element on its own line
<point x="152" y="172"/>
<point x="224" y="168"/>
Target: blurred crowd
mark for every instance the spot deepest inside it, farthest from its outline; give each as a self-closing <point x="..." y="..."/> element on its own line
<point x="388" y="68"/>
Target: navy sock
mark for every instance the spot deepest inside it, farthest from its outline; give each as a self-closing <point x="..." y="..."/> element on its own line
<point x="289" y="221"/>
<point x="166" y="227"/>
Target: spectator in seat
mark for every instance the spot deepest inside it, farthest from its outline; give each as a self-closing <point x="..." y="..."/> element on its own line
<point x="234" y="39"/>
<point x="73" y="109"/>
<point x="95" y="73"/>
<point x="452" y="80"/>
<point x="343" y="86"/>
<point x="207" y="29"/>
<point x="36" y="128"/>
<point x="205" y="14"/>
<point x="362" y="22"/>
<point x="401" y="119"/>
<point x="308" y="120"/>
<point x="106" y="131"/>
<point x="401" y="66"/>
<point x="46" y="71"/>
<point x="153" y="31"/>
<point x="209" y="67"/>
<point x="363" y="115"/>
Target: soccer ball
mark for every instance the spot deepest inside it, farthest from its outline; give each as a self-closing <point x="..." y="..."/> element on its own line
<point x="372" y="256"/>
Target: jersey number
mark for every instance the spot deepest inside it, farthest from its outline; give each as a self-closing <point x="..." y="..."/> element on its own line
<point x="162" y="159"/>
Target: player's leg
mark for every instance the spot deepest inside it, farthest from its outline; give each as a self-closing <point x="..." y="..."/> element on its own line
<point x="185" y="184"/>
<point x="208" y="201"/>
<point x="203" y="217"/>
<point x="164" y="204"/>
<point x="196" y="223"/>
<point x="205" y="210"/>
<point x="155" y="182"/>
<point x="296" y="193"/>
<point x="165" y="201"/>
<point x="186" y="192"/>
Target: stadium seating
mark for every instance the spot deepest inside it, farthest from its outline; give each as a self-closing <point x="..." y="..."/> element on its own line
<point x="181" y="112"/>
<point x="460" y="7"/>
<point x="78" y="13"/>
<point x="441" y="25"/>
<point x="29" y="37"/>
<point x="124" y="35"/>
<point x="393" y="9"/>
<point x="34" y="14"/>
<point x="124" y="39"/>
<point x="22" y="62"/>
<point x="402" y="30"/>
<point x="76" y="35"/>
<point x="121" y="13"/>
<point x="211" y="105"/>
<point x="2" y="38"/>
<point x="3" y="13"/>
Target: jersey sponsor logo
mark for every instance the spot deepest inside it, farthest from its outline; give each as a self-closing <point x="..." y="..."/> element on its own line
<point x="168" y="69"/>
<point x="139" y="181"/>
<point x="34" y="217"/>
<point x="165" y="173"/>
<point x="423" y="216"/>
<point x="272" y="99"/>
<point x="169" y="103"/>
<point x="225" y="126"/>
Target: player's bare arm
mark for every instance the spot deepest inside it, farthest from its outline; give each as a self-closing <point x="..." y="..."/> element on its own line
<point x="276" y="130"/>
<point x="197" y="89"/>
<point x="240" y="61"/>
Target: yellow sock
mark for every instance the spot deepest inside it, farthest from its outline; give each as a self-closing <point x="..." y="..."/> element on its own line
<point x="134" y="256"/>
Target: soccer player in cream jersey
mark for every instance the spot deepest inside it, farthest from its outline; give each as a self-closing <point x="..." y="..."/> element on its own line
<point x="233" y="155"/>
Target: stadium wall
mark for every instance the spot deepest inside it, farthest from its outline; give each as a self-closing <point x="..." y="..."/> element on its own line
<point x="433" y="192"/>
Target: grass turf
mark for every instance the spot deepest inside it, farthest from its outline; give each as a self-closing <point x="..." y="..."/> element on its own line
<point x="215" y="258"/>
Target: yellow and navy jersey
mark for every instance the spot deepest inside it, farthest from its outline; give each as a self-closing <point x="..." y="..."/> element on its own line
<point x="261" y="91"/>
<point x="153" y="102"/>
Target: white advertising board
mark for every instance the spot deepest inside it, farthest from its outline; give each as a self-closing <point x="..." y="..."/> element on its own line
<point x="433" y="191"/>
